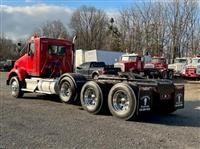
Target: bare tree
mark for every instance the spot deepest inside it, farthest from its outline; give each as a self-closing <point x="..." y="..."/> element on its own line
<point x="170" y="29"/>
<point x="181" y="18"/>
<point x="53" y="29"/>
<point x="7" y="49"/>
<point x="90" y="25"/>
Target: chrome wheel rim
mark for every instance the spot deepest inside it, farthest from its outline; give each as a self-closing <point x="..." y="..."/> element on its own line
<point x="121" y="101"/>
<point x="14" y="87"/>
<point x="90" y="99"/>
<point x="65" y="92"/>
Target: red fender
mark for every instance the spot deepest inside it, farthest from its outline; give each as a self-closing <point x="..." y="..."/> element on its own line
<point x="20" y="73"/>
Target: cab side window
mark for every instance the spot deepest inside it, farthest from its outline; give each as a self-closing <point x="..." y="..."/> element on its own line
<point x="31" y="49"/>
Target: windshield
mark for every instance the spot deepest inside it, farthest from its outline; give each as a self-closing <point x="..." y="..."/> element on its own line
<point x="180" y="60"/>
<point x="129" y="58"/>
<point x="195" y="61"/>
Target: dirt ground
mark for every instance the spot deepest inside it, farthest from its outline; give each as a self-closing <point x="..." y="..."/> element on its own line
<point x="38" y="121"/>
<point x="192" y="90"/>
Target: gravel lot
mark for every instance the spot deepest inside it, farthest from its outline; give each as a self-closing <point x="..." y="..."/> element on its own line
<point x="38" y="121"/>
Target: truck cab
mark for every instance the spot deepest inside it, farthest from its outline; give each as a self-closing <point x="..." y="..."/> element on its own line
<point x="43" y="57"/>
<point x="179" y="65"/>
<point x="192" y="70"/>
<point x="158" y="67"/>
<point x="130" y="62"/>
<point x="157" y="63"/>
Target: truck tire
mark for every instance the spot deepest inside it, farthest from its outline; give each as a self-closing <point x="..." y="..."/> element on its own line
<point x="67" y="90"/>
<point x="122" y="101"/>
<point x="92" y="97"/>
<point x="16" y="87"/>
<point x="170" y="75"/>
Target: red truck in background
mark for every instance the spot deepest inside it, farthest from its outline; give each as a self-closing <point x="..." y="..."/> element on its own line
<point x="130" y="62"/>
<point x="156" y="67"/>
<point x="192" y="70"/>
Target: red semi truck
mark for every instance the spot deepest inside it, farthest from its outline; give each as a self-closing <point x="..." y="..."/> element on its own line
<point x="48" y="67"/>
<point x="192" y="70"/>
<point x="157" y="67"/>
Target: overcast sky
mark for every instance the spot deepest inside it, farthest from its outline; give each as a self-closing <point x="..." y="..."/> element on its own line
<point x="19" y="18"/>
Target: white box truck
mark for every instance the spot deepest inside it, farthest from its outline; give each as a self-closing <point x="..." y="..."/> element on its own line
<point x="109" y="57"/>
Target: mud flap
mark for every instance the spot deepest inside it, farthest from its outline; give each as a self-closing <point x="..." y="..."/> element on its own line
<point x="179" y="97"/>
<point x="145" y="99"/>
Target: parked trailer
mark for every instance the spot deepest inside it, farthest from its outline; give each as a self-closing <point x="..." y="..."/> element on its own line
<point x="109" y="57"/>
<point x="124" y="96"/>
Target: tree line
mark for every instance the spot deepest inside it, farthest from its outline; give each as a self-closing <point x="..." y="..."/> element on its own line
<point x="170" y="29"/>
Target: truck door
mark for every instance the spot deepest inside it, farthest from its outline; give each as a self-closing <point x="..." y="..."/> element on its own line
<point x="31" y="60"/>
